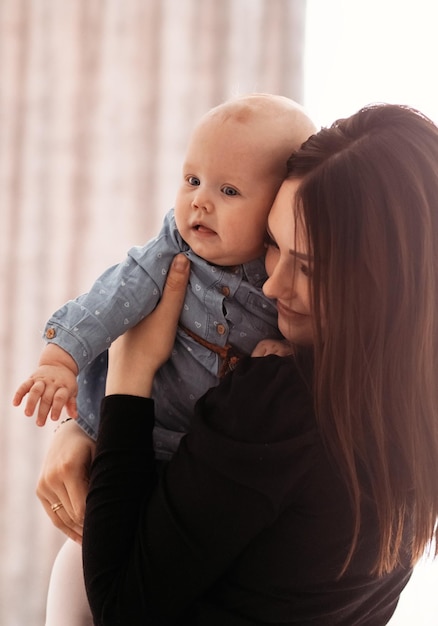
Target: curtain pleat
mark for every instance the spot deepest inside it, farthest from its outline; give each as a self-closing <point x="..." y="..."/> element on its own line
<point x="97" y="100"/>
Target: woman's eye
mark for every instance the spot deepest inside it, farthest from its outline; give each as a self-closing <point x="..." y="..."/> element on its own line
<point x="305" y="269"/>
<point x="194" y="181"/>
<point x="269" y="242"/>
<point x="229" y="191"/>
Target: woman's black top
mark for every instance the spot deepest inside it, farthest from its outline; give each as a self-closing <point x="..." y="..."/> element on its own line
<point x="249" y="523"/>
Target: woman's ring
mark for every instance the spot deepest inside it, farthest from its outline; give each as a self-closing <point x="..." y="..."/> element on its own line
<point x="55" y="507"/>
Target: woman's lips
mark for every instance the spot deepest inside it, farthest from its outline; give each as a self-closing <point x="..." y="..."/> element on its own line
<point x="288" y="312"/>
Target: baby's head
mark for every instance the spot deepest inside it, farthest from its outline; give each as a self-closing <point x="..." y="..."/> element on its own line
<point x="234" y="165"/>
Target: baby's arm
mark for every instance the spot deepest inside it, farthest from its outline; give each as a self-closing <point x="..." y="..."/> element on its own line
<point x="272" y="346"/>
<point x="53" y="385"/>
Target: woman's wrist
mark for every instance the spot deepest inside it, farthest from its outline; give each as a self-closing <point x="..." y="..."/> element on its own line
<point x="130" y="382"/>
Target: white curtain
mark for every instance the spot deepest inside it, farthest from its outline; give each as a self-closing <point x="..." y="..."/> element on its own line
<point x="97" y="98"/>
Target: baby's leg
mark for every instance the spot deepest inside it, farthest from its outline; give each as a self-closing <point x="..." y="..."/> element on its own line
<point x="67" y="602"/>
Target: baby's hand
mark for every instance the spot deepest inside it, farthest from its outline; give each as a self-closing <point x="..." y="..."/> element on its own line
<point x="272" y="346"/>
<point x="53" y="387"/>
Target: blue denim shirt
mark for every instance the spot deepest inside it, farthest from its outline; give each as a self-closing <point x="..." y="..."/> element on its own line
<point x="223" y="305"/>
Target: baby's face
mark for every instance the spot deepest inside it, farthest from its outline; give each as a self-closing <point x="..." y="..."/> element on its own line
<point x="226" y="192"/>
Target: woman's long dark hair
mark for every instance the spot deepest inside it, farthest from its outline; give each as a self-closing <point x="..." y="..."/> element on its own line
<point x="368" y="199"/>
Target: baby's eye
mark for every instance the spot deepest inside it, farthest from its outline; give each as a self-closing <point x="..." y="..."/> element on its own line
<point x="193" y="180"/>
<point x="230" y="191"/>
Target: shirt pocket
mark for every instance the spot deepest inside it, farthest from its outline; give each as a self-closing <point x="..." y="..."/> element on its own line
<point x="262" y="311"/>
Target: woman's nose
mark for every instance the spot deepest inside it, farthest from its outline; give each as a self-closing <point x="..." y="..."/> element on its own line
<point x="279" y="285"/>
<point x="269" y="288"/>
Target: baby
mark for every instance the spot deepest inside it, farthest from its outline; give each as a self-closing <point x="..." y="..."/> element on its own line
<point x="234" y="164"/>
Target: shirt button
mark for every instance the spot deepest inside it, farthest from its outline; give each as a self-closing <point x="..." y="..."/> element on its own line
<point x="225" y="291"/>
<point x="50" y="333"/>
<point x="220" y="329"/>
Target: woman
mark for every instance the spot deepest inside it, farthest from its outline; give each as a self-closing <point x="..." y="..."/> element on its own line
<point x="303" y="493"/>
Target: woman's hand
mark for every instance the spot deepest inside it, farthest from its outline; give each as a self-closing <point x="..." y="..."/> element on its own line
<point x="63" y="483"/>
<point x="134" y="359"/>
<point x="136" y="356"/>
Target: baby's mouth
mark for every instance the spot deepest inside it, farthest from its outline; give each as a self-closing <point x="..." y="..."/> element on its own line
<point x="201" y="229"/>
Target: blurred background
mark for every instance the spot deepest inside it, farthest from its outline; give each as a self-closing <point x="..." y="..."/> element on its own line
<point x="97" y="99"/>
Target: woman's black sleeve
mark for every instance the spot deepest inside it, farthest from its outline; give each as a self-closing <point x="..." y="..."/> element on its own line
<point x="152" y="547"/>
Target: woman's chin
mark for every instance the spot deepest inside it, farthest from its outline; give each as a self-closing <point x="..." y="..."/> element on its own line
<point x="300" y="334"/>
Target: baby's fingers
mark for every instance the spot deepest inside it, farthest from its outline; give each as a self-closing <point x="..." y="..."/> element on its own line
<point x="51" y="402"/>
<point x="35" y="394"/>
<point x="22" y="390"/>
<point x="61" y="398"/>
<point x="72" y="408"/>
